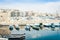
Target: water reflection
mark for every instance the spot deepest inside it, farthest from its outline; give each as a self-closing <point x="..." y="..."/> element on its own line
<point x="42" y="35"/>
<point x="39" y="34"/>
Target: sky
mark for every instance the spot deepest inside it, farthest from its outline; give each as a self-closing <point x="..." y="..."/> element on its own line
<point x="49" y="6"/>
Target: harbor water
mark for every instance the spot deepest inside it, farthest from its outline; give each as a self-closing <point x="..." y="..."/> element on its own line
<point x="42" y="35"/>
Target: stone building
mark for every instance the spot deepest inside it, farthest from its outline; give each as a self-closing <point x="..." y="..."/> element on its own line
<point x="18" y="17"/>
<point x="13" y="16"/>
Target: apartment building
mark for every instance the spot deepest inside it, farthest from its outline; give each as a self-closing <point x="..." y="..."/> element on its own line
<point x="13" y="16"/>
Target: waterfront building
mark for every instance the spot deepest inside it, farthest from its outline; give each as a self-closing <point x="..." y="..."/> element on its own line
<point x="18" y="17"/>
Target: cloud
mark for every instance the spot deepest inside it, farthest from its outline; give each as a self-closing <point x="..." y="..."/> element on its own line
<point x="29" y="1"/>
<point x="49" y="7"/>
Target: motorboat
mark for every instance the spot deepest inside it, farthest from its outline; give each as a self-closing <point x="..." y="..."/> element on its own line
<point x="15" y="34"/>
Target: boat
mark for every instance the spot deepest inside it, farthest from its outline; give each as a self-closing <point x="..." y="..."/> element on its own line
<point x="14" y="34"/>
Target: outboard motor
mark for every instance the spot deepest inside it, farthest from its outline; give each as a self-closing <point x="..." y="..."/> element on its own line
<point x="27" y="28"/>
<point x="59" y="26"/>
<point x="17" y="27"/>
<point x="11" y="27"/>
<point x="52" y="26"/>
<point x="41" y="26"/>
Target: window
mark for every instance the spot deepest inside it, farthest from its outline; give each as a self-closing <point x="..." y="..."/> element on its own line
<point x="18" y="14"/>
<point x="26" y="14"/>
<point x="15" y="14"/>
<point x="21" y="14"/>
